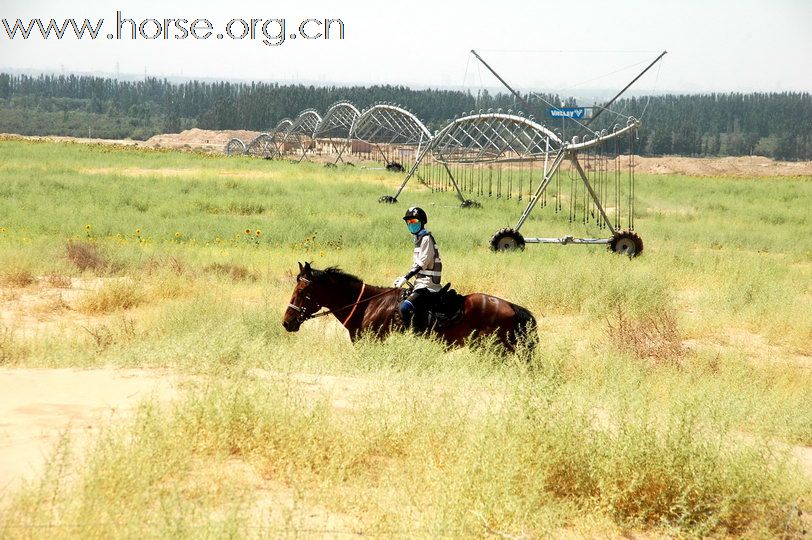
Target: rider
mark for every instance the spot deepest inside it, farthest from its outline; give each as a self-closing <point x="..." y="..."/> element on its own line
<point x="427" y="266"/>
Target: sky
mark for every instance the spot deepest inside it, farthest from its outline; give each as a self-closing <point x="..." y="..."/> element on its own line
<point x="587" y="47"/>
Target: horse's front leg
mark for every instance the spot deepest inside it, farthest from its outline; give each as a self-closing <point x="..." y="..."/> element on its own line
<point x="379" y="331"/>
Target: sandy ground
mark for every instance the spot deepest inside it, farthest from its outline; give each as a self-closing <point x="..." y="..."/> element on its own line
<point x="744" y="167"/>
<point x="41" y="307"/>
<point x="37" y="406"/>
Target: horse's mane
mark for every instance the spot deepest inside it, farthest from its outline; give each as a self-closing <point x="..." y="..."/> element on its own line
<point x="334" y="274"/>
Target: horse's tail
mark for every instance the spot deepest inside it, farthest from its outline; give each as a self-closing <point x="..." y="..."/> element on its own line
<point x="525" y="330"/>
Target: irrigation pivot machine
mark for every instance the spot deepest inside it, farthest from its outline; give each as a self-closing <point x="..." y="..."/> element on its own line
<point x="590" y="175"/>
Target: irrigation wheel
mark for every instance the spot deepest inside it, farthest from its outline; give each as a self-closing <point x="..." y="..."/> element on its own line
<point x="387" y="199"/>
<point x="507" y="240"/>
<point x="626" y="242"/>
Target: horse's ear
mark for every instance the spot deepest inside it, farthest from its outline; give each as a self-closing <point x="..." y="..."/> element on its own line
<point x="307" y="269"/>
<point x="300" y="268"/>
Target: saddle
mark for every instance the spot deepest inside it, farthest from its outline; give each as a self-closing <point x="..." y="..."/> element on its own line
<point x="445" y="307"/>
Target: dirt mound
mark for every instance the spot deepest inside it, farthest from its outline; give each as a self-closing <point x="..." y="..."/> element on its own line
<point x="200" y="138"/>
<point x="197" y="139"/>
<point x="744" y="166"/>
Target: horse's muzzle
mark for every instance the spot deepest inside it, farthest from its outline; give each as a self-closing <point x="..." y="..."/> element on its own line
<point x="292" y="325"/>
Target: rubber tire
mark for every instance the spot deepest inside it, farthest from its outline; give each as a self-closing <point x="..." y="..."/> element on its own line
<point x="507" y="239"/>
<point x="626" y="242"/>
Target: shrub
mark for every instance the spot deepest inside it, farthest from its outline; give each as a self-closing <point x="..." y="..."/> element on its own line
<point x="236" y="272"/>
<point x="652" y="334"/>
<point x="113" y="296"/>
<point x="58" y="281"/>
<point x="11" y="351"/>
<point x="17" y="278"/>
<point x="173" y="264"/>
<point x="85" y="256"/>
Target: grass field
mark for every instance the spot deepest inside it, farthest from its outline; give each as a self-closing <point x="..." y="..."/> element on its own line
<point x="669" y="395"/>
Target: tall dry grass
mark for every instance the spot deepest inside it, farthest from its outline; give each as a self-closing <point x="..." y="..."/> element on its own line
<point x="429" y="463"/>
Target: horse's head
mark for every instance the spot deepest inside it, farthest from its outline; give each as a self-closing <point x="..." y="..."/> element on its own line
<point x="302" y="304"/>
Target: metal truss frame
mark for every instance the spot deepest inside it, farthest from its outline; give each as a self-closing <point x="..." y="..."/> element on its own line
<point x="235" y="147"/>
<point x="385" y="125"/>
<point x="570" y="151"/>
<point x="301" y="131"/>
<point x="493" y="137"/>
<point x="336" y="125"/>
<point x="278" y="134"/>
<point x="262" y="146"/>
<point x="486" y="137"/>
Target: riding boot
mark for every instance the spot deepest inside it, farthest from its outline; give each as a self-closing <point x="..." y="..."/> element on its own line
<point x="407" y="313"/>
<point x="421" y="321"/>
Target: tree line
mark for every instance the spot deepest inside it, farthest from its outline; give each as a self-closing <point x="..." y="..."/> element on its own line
<point x="734" y="124"/>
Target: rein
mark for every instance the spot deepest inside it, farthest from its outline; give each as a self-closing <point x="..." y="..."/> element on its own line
<point x="355" y="306"/>
<point x="304" y="316"/>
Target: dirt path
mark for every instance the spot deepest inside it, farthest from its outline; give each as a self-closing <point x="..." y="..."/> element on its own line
<point x="38" y="405"/>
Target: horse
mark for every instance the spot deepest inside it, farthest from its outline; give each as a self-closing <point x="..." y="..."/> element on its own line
<point x="363" y="308"/>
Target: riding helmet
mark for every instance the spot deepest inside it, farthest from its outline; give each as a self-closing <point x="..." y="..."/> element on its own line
<point x="415" y="212"/>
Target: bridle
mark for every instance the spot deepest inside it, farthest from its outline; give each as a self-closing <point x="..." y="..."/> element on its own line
<point x="303" y="311"/>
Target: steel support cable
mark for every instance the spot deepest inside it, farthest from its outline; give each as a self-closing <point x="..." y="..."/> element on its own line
<point x="624" y="68"/>
<point x="656" y="82"/>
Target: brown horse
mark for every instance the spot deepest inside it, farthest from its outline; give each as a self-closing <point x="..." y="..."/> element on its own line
<point x="364" y="308"/>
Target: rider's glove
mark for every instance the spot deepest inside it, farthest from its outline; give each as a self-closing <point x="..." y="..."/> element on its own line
<point x="400" y="281"/>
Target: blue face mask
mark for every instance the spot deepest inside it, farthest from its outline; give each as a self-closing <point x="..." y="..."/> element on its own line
<point x="414" y="228"/>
